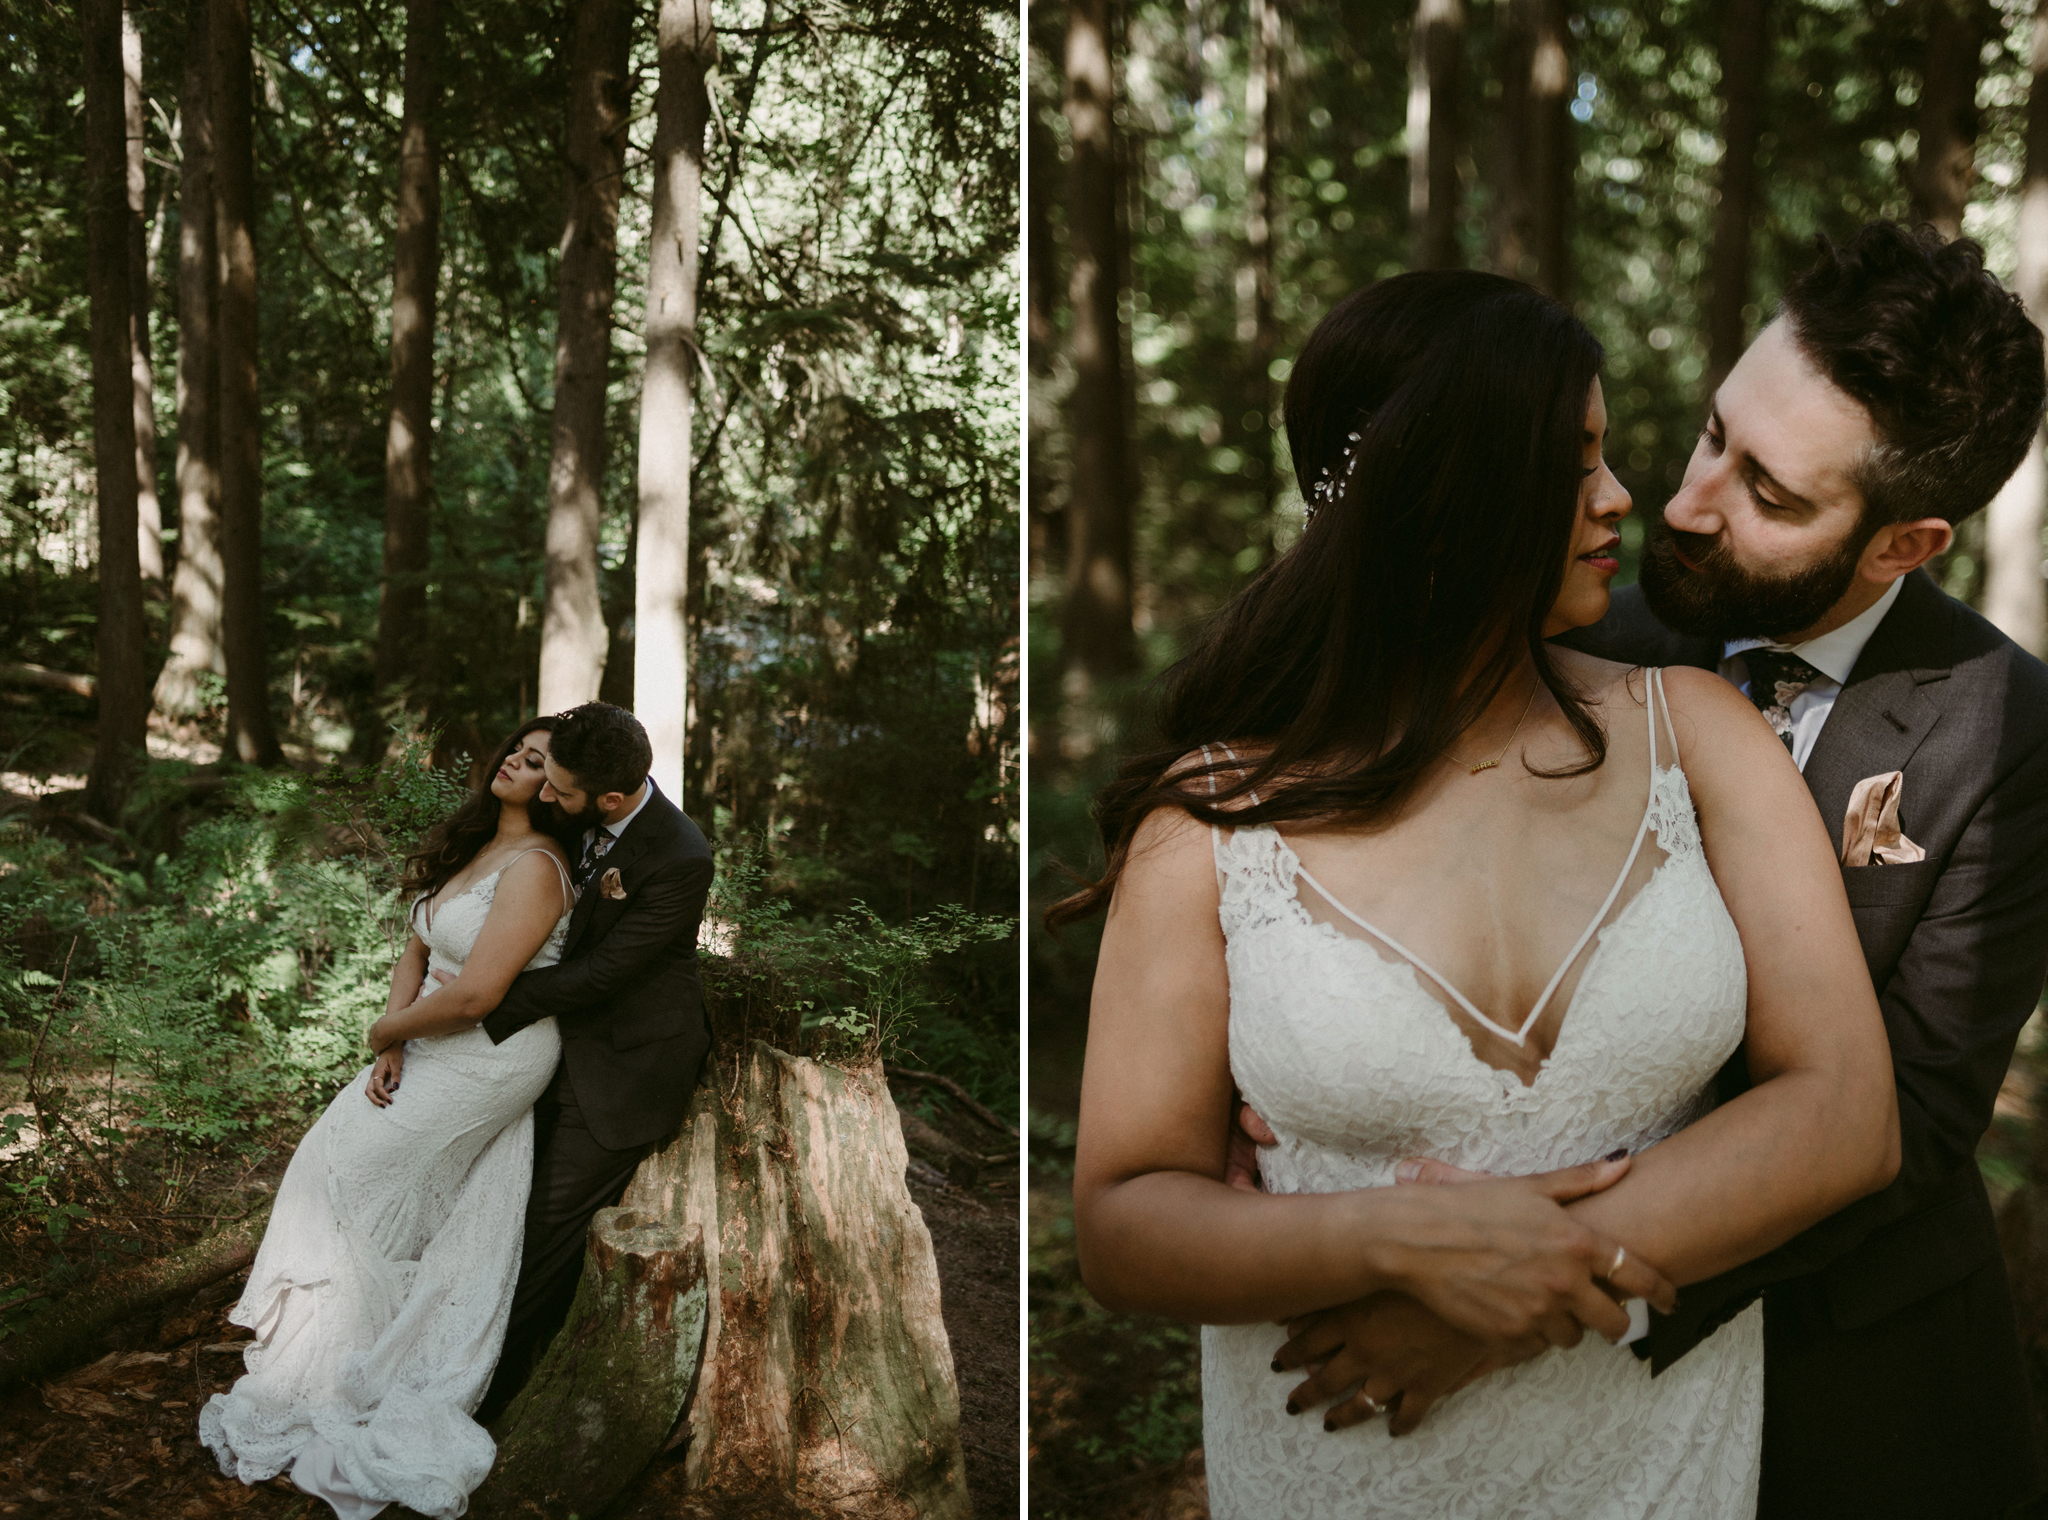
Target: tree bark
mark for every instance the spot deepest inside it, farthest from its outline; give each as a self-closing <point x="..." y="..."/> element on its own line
<point x="827" y="1377"/>
<point x="1743" y="54"/>
<point x="1255" y="326"/>
<point x="64" y="1336"/>
<point x="409" y="433"/>
<point x="1532" y="152"/>
<point x="607" y="1394"/>
<point x="1942" y="170"/>
<point x="573" y="639"/>
<point x="251" y="738"/>
<point x="2014" y="596"/>
<point x="686" y="49"/>
<point x="196" y="584"/>
<point x="1436" y="78"/>
<point x="123" y="689"/>
<point x="1096" y="636"/>
<point x="149" y="513"/>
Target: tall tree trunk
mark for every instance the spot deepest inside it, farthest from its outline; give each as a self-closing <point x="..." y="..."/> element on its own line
<point x="251" y="739"/>
<point x="1941" y="172"/>
<point x="1041" y="280"/>
<point x="409" y="434"/>
<point x="1553" y="149"/>
<point x="149" y="514"/>
<point x="573" y="639"/>
<point x="686" y="48"/>
<point x="196" y="588"/>
<point x="1743" y="55"/>
<point x="1532" y="151"/>
<point x="122" y="690"/>
<point x="2014" y="596"/>
<point x="1255" y="277"/>
<point x="1436" y="79"/>
<point x="1096" y="636"/>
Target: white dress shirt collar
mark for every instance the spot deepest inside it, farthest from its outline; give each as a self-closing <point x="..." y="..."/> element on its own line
<point x="1835" y="654"/>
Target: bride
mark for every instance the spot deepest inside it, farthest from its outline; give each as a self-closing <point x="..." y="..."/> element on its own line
<point x="1420" y="885"/>
<point x="380" y="1293"/>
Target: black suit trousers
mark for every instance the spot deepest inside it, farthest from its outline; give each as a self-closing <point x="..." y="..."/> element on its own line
<point x="1867" y="1424"/>
<point x="573" y="1177"/>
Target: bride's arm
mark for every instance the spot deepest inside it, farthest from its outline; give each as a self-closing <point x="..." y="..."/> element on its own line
<point x="524" y="911"/>
<point x="1158" y="1228"/>
<point x="1819" y="1128"/>
<point x="408" y="976"/>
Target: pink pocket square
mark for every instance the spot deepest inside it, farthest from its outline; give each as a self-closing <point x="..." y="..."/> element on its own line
<point x="609" y="886"/>
<point x="1870" y="829"/>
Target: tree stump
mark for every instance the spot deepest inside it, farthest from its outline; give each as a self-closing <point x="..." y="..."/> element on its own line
<point x="605" y="1397"/>
<point x="827" y="1378"/>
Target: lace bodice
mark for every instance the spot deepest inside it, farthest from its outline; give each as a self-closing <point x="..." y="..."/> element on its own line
<point x="449" y="927"/>
<point x="1348" y="1051"/>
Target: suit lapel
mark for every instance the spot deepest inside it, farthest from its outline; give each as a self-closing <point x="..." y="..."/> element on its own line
<point x="640" y="833"/>
<point x="1887" y="707"/>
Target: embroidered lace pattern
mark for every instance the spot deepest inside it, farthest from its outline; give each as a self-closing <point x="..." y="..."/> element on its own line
<point x="380" y="1294"/>
<point x="1356" y="1064"/>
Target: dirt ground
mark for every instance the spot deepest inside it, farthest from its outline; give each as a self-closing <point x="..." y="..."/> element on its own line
<point x="117" y="1437"/>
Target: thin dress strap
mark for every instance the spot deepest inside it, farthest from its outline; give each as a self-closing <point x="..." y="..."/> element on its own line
<point x="568" y="887"/>
<point x="1216" y="830"/>
<point x="1662" y="701"/>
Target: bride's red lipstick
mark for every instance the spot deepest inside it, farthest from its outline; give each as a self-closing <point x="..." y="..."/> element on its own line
<point x="1601" y="559"/>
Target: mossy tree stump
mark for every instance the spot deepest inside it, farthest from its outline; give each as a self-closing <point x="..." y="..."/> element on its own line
<point x="827" y="1377"/>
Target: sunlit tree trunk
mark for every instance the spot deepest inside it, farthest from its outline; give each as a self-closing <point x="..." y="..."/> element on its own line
<point x="1255" y="329"/>
<point x="409" y="434"/>
<point x="122" y="691"/>
<point x="1532" y="150"/>
<point x="196" y="584"/>
<point x="573" y="638"/>
<point x="1436" y="78"/>
<point x="251" y="738"/>
<point x="149" y="515"/>
<point x="1743" y="56"/>
<point x="686" y="48"/>
<point x="1096" y="640"/>
<point x="2013" y="589"/>
<point x="1941" y="172"/>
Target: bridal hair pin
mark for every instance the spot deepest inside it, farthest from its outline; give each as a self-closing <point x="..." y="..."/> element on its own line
<point x="1333" y="480"/>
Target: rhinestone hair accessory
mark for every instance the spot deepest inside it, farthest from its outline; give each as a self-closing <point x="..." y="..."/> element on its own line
<point x="1332" y="481"/>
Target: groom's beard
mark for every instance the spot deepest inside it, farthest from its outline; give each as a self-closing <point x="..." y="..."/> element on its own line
<point x="1722" y="600"/>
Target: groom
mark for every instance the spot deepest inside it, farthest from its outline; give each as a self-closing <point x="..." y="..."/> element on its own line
<point x="1897" y="390"/>
<point x="627" y="1001"/>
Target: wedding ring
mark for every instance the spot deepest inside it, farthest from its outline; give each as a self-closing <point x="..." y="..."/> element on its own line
<point x="1620" y="1255"/>
<point x="1372" y="1405"/>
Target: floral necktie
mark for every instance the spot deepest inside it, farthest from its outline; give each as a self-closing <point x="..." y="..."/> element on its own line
<point x="594" y="849"/>
<point x="1776" y="678"/>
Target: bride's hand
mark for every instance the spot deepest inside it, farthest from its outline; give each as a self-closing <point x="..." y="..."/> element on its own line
<point x="1501" y="1259"/>
<point x="385" y="1072"/>
<point x="1386" y="1353"/>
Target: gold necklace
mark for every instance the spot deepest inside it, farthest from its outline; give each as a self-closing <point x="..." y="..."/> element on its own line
<point x="1496" y="760"/>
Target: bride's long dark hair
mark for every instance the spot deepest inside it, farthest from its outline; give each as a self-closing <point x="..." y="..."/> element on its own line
<point x="454" y="842"/>
<point x="1348" y="666"/>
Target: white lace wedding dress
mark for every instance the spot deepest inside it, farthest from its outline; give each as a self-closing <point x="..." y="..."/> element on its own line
<point x="380" y="1294"/>
<point x="1336" y="1040"/>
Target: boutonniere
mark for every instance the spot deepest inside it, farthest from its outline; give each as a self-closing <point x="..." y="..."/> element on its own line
<point x="609" y="886"/>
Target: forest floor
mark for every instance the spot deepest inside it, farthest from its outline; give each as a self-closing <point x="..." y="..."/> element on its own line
<point x="117" y="1436"/>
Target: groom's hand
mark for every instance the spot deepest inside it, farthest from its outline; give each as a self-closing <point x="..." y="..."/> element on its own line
<point x="1387" y="1353"/>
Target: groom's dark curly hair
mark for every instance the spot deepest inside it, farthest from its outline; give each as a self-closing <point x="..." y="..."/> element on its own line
<point x="603" y="747"/>
<point x="1940" y="354"/>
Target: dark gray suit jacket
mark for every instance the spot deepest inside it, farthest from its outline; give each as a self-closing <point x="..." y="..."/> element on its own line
<point x="1957" y="946"/>
<point x="626" y="995"/>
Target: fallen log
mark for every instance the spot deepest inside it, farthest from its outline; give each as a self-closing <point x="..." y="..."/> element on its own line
<point x="827" y="1381"/>
<point x="606" y="1395"/>
<point x="48" y="679"/>
<point x="63" y="1336"/>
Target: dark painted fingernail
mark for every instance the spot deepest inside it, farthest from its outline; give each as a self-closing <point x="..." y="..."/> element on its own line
<point x="1615" y="1155"/>
<point x="1329" y="1425"/>
<point x="1276" y="1365"/>
<point x="1292" y="1407"/>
